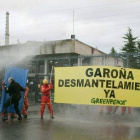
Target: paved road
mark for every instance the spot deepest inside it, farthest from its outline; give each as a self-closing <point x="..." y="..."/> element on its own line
<point x="72" y="122"/>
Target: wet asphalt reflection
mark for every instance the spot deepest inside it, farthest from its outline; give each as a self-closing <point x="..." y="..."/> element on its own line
<point x="72" y="122"/>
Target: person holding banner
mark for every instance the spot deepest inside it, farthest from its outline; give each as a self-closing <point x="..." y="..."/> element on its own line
<point x="123" y="109"/>
<point x="108" y="109"/>
<point x="46" y="99"/>
<point x="14" y="91"/>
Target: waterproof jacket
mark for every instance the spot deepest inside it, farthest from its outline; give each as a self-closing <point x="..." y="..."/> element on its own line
<point x="45" y="88"/>
<point x="14" y="89"/>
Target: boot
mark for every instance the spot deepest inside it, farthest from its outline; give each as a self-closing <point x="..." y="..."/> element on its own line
<point x="52" y="117"/>
<point x="19" y="117"/>
<point x="5" y="117"/>
<point x="25" y="116"/>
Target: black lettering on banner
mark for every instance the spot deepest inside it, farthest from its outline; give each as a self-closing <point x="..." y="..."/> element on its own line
<point x="106" y="92"/>
<point x="98" y="73"/>
<point x="120" y="85"/>
<point x="114" y="73"/>
<point x="106" y="72"/>
<point x="67" y="82"/>
<point x="137" y="85"/>
<point x="80" y="82"/>
<point x="127" y="85"/>
<point x="113" y="84"/>
<point x="94" y="83"/>
<point x="89" y="72"/>
<point x="132" y="85"/>
<point x="102" y="83"/>
<point x="87" y="83"/>
<point x="108" y="83"/>
<point x="122" y="74"/>
<point x="60" y="83"/>
<point x="73" y="84"/>
<point x="130" y="75"/>
<point x="112" y="94"/>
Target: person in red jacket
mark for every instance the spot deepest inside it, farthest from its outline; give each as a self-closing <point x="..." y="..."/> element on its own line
<point x="25" y="103"/>
<point x="45" y="99"/>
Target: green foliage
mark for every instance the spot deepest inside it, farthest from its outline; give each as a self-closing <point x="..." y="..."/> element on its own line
<point x="130" y="45"/>
<point x="113" y="51"/>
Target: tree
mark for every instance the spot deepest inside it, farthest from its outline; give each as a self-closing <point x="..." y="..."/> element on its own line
<point x="138" y="46"/>
<point x="113" y="51"/>
<point x="130" y="46"/>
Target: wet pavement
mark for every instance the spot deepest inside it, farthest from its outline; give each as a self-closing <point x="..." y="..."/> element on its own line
<point x="72" y="122"/>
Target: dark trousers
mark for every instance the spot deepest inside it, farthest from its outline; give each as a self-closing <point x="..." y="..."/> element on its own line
<point x="10" y="101"/>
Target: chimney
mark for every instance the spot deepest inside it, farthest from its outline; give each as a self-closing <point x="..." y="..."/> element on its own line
<point x="72" y="36"/>
<point x="7" y="29"/>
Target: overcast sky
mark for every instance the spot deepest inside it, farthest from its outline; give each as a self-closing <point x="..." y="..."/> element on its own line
<point x="98" y="23"/>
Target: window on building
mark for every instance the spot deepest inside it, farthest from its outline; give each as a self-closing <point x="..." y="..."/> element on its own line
<point x="32" y="67"/>
<point x="41" y="66"/>
<point x="74" y="62"/>
<point x="86" y="61"/>
<point x="63" y="63"/>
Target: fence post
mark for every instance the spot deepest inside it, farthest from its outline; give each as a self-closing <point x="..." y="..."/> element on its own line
<point x="79" y="61"/>
<point x="127" y="61"/>
<point x="69" y="62"/>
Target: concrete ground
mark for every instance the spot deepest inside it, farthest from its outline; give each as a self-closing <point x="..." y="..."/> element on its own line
<point x="72" y="122"/>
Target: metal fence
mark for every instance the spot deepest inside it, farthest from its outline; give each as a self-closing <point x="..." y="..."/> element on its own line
<point x="44" y="64"/>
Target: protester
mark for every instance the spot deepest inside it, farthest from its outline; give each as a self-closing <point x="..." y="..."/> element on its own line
<point x="123" y="109"/>
<point x="25" y="103"/>
<point x="46" y="99"/>
<point x="108" y="109"/>
<point x="14" y="92"/>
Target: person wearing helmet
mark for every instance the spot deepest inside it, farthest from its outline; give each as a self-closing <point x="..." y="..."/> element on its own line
<point x="45" y="99"/>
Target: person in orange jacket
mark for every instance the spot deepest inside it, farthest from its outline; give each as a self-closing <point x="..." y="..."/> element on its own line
<point x="45" y="99"/>
<point x="25" y="103"/>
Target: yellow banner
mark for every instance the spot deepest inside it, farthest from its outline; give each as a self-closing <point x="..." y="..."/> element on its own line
<point x="97" y="85"/>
